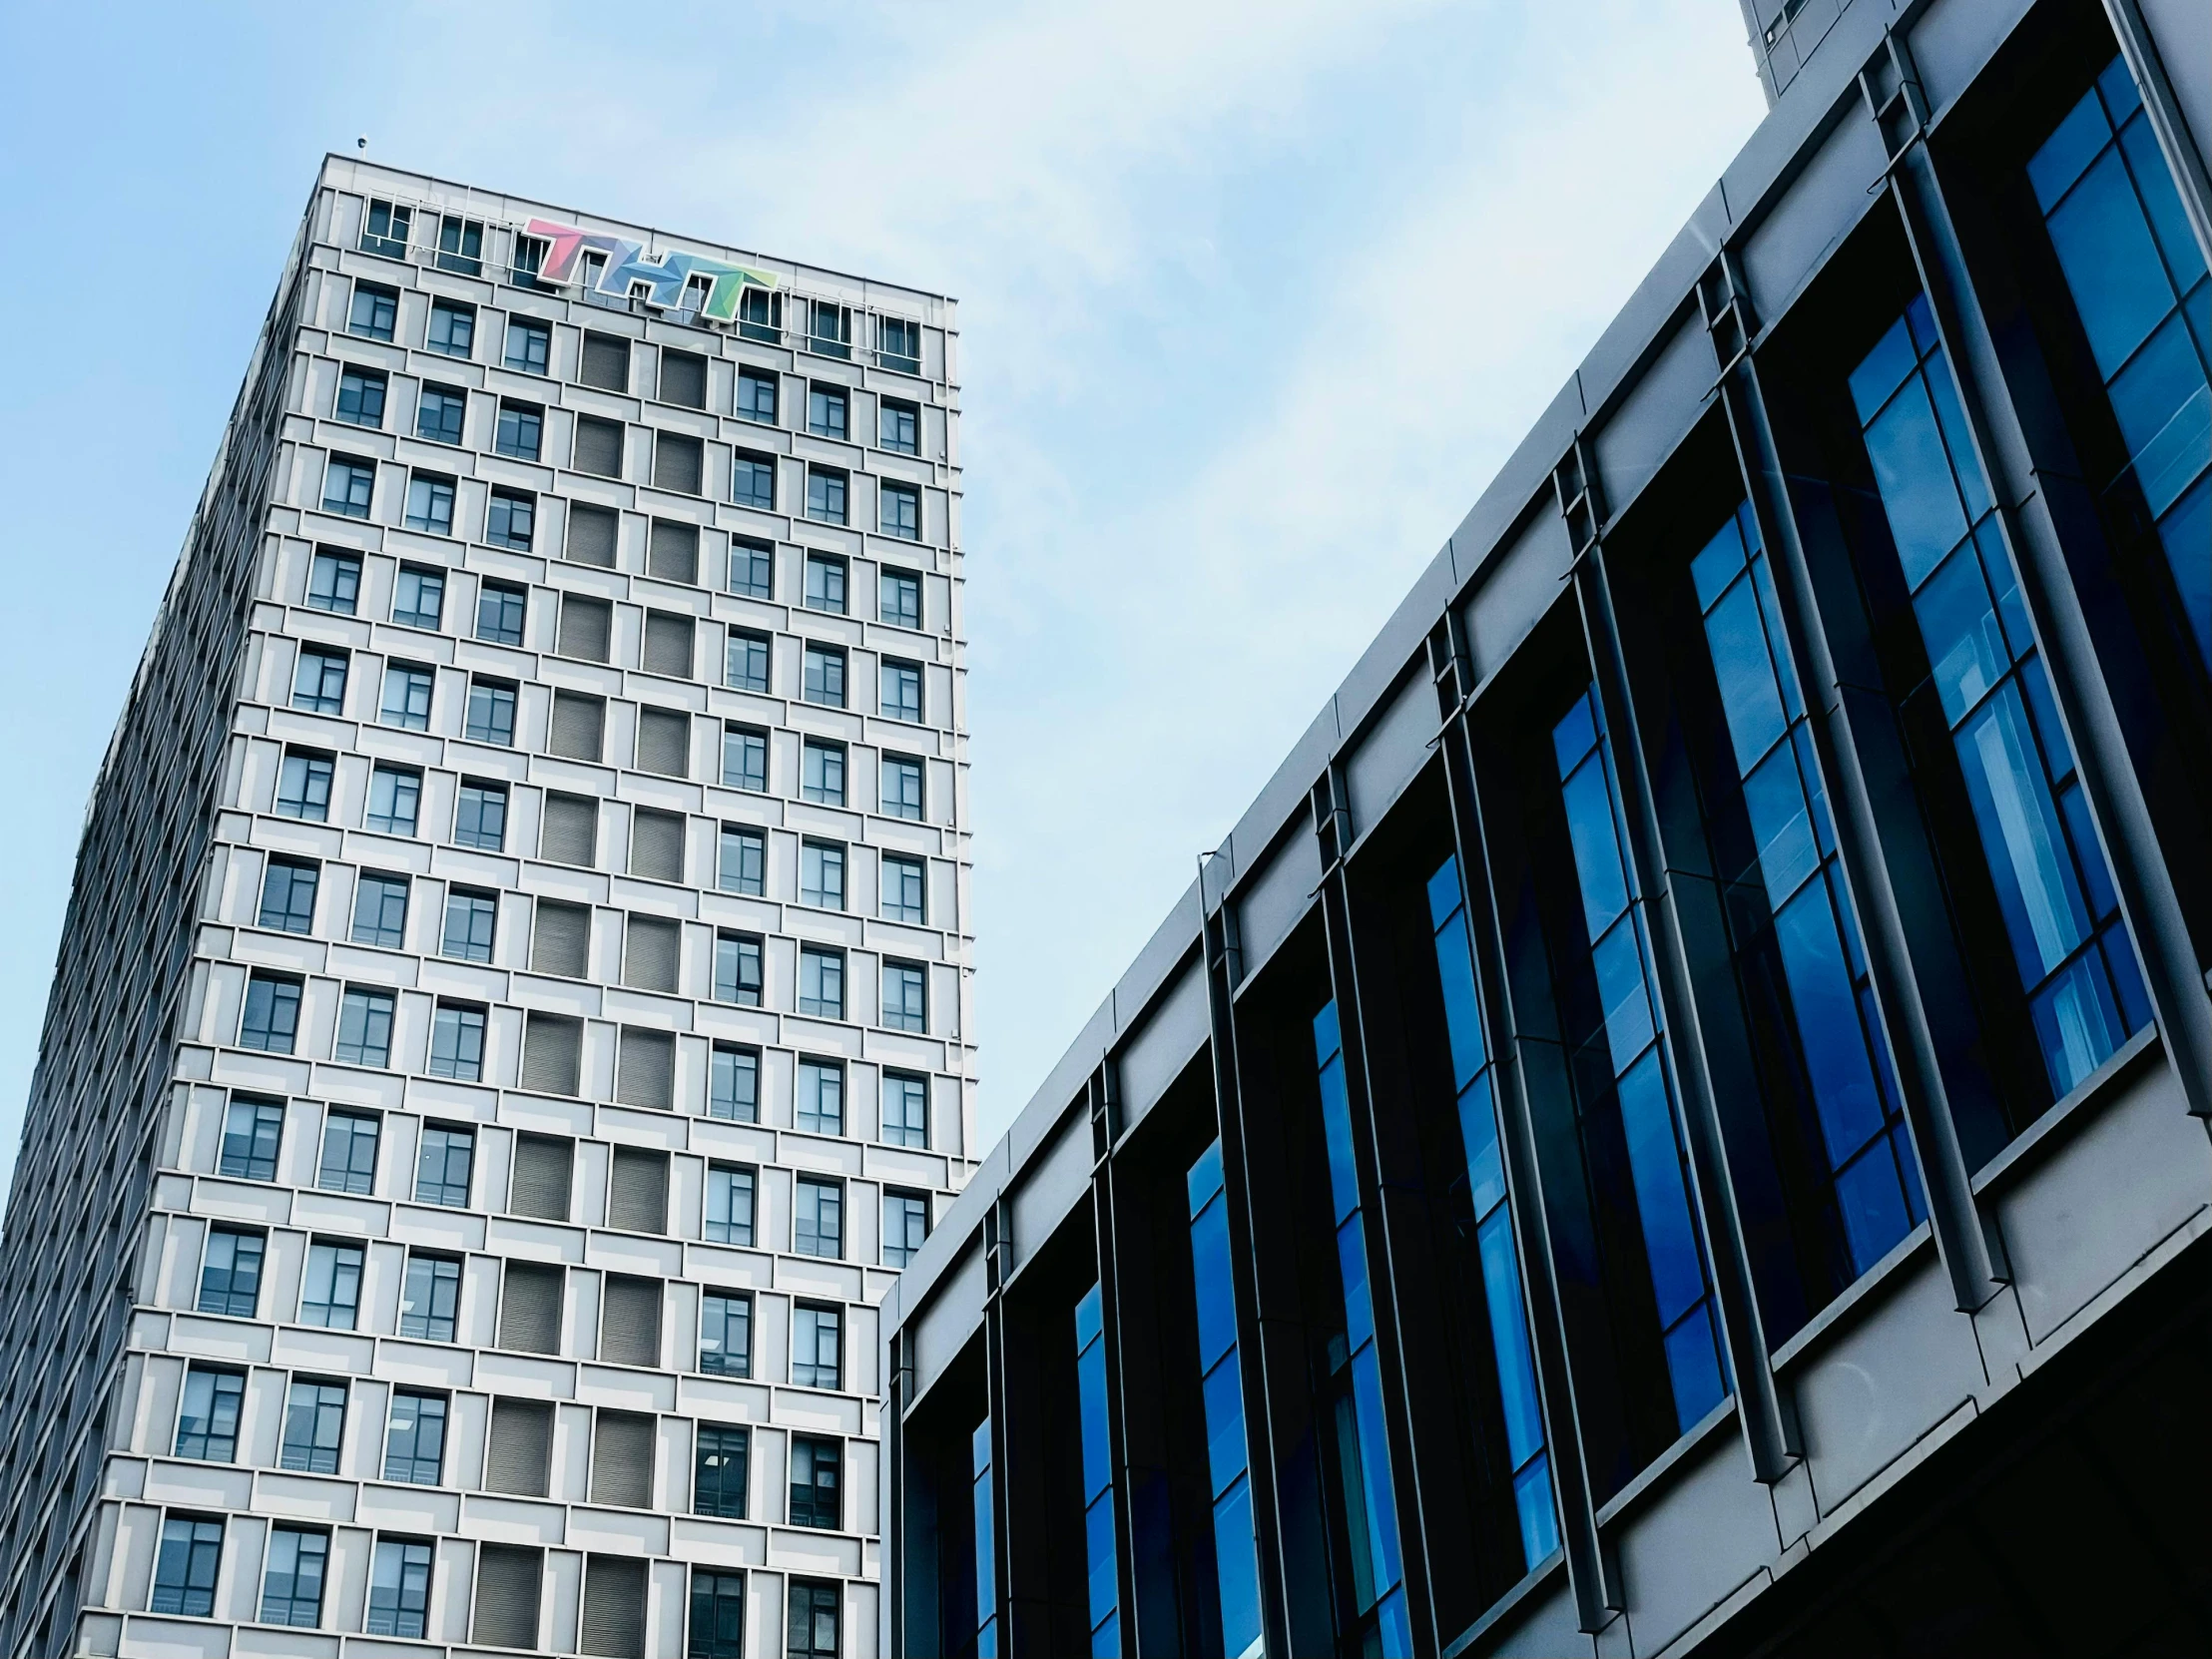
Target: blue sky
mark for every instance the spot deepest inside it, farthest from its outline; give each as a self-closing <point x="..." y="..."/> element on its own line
<point x="1255" y="297"/>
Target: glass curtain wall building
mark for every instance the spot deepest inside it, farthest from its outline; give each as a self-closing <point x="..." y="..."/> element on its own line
<point x="1677" y="1121"/>
<point x="511" y="1022"/>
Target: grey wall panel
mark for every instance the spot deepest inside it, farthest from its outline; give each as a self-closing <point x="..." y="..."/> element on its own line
<point x="1885" y="1380"/>
<point x="2183" y="32"/>
<point x="952" y="1315"/>
<point x="1052" y="1183"/>
<point x="1542" y="1627"/>
<point x="1706" y="1531"/>
<point x="1665" y="401"/>
<point x="1394" y="749"/>
<point x="1174" y="1029"/>
<point x="1952" y="39"/>
<point x="1529" y="574"/>
<point x="2118" y="1185"/>
<point x="1819" y="210"/>
<point x="1269" y="904"/>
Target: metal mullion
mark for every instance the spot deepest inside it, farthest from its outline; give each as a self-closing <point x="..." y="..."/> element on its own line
<point x="1223" y="965"/>
<point x="1376" y="1219"/>
<point x="1955" y="1218"/>
<point x="997" y="1247"/>
<point x="1597" y="1599"/>
<point x="2117" y="806"/>
<point x="2163" y="111"/>
<point x="1104" y="1102"/>
<point x="1769" y="1434"/>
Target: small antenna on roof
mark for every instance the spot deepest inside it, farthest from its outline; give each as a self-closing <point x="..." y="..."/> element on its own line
<point x="361" y="143"/>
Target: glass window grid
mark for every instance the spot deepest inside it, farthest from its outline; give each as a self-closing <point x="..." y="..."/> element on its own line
<point x="743" y="865"/>
<point x="898" y="597"/>
<point x="406" y="700"/>
<point x="721" y="1465"/>
<point x="901" y="785"/>
<point x="380" y="910"/>
<point x="208" y="1415"/>
<point x="529" y="347"/>
<point x="822" y="874"/>
<point x="899" y="427"/>
<point x="905" y="995"/>
<point x="905" y="1226"/>
<point x="747" y="662"/>
<point x="270" y="1021"/>
<point x="291" y="1585"/>
<point x="733" y="1083"/>
<point x="415" y="1439"/>
<point x="901" y="511"/>
<point x="814" y="1626"/>
<point x="511" y="521"/>
<point x="501" y="610"/>
<point x="818" y="1342"/>
<point x="906" y="1109"/>
<point x="905" y="889"/>
<point x="731" y="1190"/>
<point x="901" y="689"/>
<point x="458" y="1043"/>
<point x="818" y="1463"/>
<point x="253" y="1130"/>
<point x="348" y="1153"/>
<point x="184" y="1567"/>
<point x="318" y="681"/>
<point x="738" y="969"/>
<point x="288" y="895"/>
<point x="821" y="772"/>
<point x="445" y="1161"/>
<point x="818" y="1218"/>
<point x="452" y="329"/>
<point x="1096" y="1462"/>
<point x="440" y="413"/>
<point x="304" y="786"/>
<point x="375" y="311"/>
<point x="752" y="481"/>
<point x="827" y="411"/>
<point x="334" y="581"/>
<point x="395" y="799"/>
<point x="470" y="919"/>
<point x="330" y="1289"/>
<point x="481" y="817"/>
<point x="520" y="432"/>
<point x="751" y="569"/>
<point x="826" y="583"/>
<point x="825" y="495"/>
<point x="365" y="1026"/>
<point x="822" y="981"/>
<point x="360" y="396"/>
<point x="757" y="396"/>
<point x="314" y="1426"/>
<point x="430" y="505"/>
<point x="824" y="678"/>
<point x="399" y="1588"/>
<point x="819" y="1107"/>
<point x="2075" y="962"/>
<point x="430" y="1298"/>
<point x="418" y="597"/>
<point x="745" y="758"/>
<point x="348" y="487"/>
<point x="726" y="1334"/>
<point x="231" y="1272"/>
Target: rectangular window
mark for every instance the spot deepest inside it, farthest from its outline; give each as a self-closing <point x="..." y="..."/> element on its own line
<point x="470" y="916"/>
<point x="826" y="493"/>
<point x="905" y="996"/>
<point x="415" y="1439"/>
<point x="751" y="569"/>
<point x="399" y="1588"/>
<point x="679" y="463"/>
<point x="733" y="1083"/>
<point x="253" y="1129"/>
<point x="761" y="315"/>
<point x="458" y="1043"/>
<point x="823" y="679"/>
<point x="745" y="758"/>
<point x="364" y="1027"/>
<point x="752" y="481"/>
<point x="330" y="1290"/>
<point x="375" y="313"/>
<point x="500" y="610"/>
<point x="905" y="1225"/>
<point x="719" y="1473"/>
<point x="529" y="345"/>
<point x="430" y="1298"/>
<point x="418" y="597"/>
<point x="818" y="1218"/>
<point x="818" y="1342"/>
<point x="817" y="1464"/>
<point x="606" y="362"/>
<point x="901" y="777"/>
<point x="904" y="884"/>
<point x="748" y="660"/>
<point x="822" y="981"/>
<point x="304" y="786"/>
<point x="744" y="862"/>
<point x="906" y="1109"/>
<point x="683" y="377"/>
<point x="348" y="487"/>
<point x="828" y="329"/>
<point x="730" y="1196"/>
<point x="511" y="519"/>
<point x="231" y="1273"/>
<point x="726" y="1334"/>
<point x="569" y="831"/>
<point x="441" y="413"/>
<point x="901" y="512"/>
<point x="461" y="245"/>
<point x="480" y="815"/>
<point x="827" y="408"/>
<point x="822" y="874"/>
<point x="208" y="1416"/>
<point x="314" y="1426"/>
<point x="1222" y="1397"/>
<point x="185" y="1569"/>
<point x="898" y="427"/>
<point x="348" y="1153"/>
<point x="579" y="725"/>
<point x="529" y="261"/>
<point x="672" y="552"/>
<point x="318" y="681"/>
<point x="430" y="505"/>
<point x="1095" y="1459"/>
<point x="452" y="330"/>
<point x="821" y="772"/>
<point x="362" y="397"/>
<point x="521" y="430"/>
<point x="386" y="229"/>
<point x="291" y="1585"/>
<point x="901" y="689"/>
<point x="898" y="597"/>
<point x="815" y="1621"/>
<point x="824" y="583"/>
<point x="394" y="795"/>
<point x="738" y="969"/>
<point x="657" y="844"/>
<point x="663" y="741"/>
<point x="406" y="702"/>
<point x="561" y="942"/>
<point x="334" y="581"/>
<point x="757" y="395"/>
<point x="271" y="1018"/>
<point x="288" y="895"/>
<point x="820" y="1108"/>
<point x="899" y="344"/>
<point x="443" y="1161"/>
<point x="598" y="446"/>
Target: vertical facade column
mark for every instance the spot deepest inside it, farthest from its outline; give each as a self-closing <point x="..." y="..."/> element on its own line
<point x="1597" y="1599"/>
<point x="1961" y="1239"/>
<point x="998" y="1264"/>
<point x="1387" y="1233"/>
<point x="1223" y="968"/>
<point x="1768" y="1431"/>
<point x="2184" y="158"/>
<point x="898" y="1393"/>
<point x="1891" y="88"/>
<point x="1105" y="1112"/>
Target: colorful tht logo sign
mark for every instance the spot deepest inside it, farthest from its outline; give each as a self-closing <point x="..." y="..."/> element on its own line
<point x="627" y="265"/>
